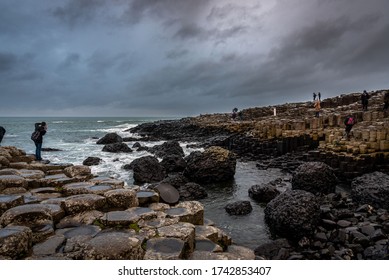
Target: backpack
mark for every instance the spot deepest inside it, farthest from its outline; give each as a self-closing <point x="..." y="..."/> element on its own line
<point x="35" y="135"/>
<point x="350" y="121"/>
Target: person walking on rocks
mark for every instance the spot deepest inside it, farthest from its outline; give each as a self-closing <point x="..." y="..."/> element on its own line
<point x="349" y="121"/>
<point x="317" y="108"/>
<point x="386" y="101"/>
<point x="365" y="100"/>
<point x="37" y="137"/>
<point x="2" y="132"/>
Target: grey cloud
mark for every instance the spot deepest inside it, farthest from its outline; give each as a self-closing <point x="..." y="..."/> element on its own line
<point x="71" y="60"/>
<point x="174" y="54"/>
<point x="78" y="11"/>
<point x="7" y="61"/>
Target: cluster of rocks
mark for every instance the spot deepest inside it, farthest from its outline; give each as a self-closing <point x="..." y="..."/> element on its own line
<point x="61" y="211"/>
<point x="312" y="221"/>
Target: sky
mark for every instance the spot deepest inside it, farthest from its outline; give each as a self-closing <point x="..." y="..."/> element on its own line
<point x="185" y="57"/>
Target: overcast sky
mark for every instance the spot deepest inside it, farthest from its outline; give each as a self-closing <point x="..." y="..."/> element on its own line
<point x="185" y="57"/>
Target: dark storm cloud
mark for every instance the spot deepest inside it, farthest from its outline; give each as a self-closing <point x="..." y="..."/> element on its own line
<point x="7" y="61"/>
<point x="78" y="11"/>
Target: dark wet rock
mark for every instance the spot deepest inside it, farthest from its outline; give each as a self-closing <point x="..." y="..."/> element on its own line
<point x="263" y="193"/>
<point x="176" y="180"/>
<point x="122" y="198"/>
<point x="15" y="241"/>
<point x="164" y="249"/>
<point x="83" y="202"/>
<point x="192" y="191"/>
<point x="173" y="163"/>
<point x="240" y="253"/>
<point x="10" y="201"/>
<point x="89" y="161"/>
<point x="110" y="138"/>
<point x="372" y="189"/>
<point x="239" y="208"/>
<point x="114" y="245"/>
<point x="147" y="197"/>
<point x="183" y="231"/>
<point x="147" y="170"/>
<point x="215" y="164"/>
<point x="26" y="214"/>
<point x="117" y="148"/>
<point x="168" y="148"/>
<point x="80" y="219"/>
<point x="50" y="246"/>
<point x="167" y="193"/>
<point x="12" y="181"/>
<point x="208" y="246"/>
<point x="51" y="150"/>
<point x="293" y="214"/>
<point x="136" y="145"/>
<point x="119" y="218"/>
<point x="315" y="177"/>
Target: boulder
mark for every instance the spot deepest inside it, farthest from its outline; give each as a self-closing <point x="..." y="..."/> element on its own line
<point x="315" y="177"/>
<point x="173" y="163"/>
<point x="167" y="193"/>
<point x="192" y="191"/>
<point x="176" y="180"/>
<point x="293" y="214"/>
<point x="263" y="193"/>
<point x="89" y="161"/>
<point x="239" y="208"/>
<point x="213" y="165"/>
<point x="167" y="149"/>
<point x="117" y="148"/>
<point x="110" y="138"/>
<point x="147" y="170"/>
<point x="371" y="188"/>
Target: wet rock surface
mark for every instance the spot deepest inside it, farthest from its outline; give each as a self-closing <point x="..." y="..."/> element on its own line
<point x="81" y="216"/>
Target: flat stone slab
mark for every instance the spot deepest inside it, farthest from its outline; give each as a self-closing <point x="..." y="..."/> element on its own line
<point x="147" y="197"/>
<point x="164" y="249"/>
<point x="80" y="219"/>
<point x="31" y="174"/>
<point x="207" y="245"/>
<point x="108" y="181"/>
<point x="85" y="230"/>
<point x="26" y="214"/>
<point x="99" y="189"/>
<point x="183" y="231"/>
<point x="207" y="232"/>
<point x="119" y="218"/>
<point x="12" y="181"/>
<point x="10" y="201"/>
<point x="76" y="188"/>
<point x="50" y="246"/>
<point x="114" y="245"/>
<point x="15" y="241"/>
<point x="122" y="198"/>
<point x="144" y="213"/>
<point x="83" y="202"/>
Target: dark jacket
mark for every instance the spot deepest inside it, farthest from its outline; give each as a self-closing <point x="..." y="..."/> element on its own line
<point x="42" y="131"/>
<point x="2" y="132"/>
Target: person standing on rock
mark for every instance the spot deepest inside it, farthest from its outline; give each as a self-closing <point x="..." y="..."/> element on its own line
<point x="2" y="132"/>
<point x="386" y="101"/>
<point x="317" y="108"/>
<point x="365" y="100"/>
<point x="314" y="96"/>
<point x="319" y="96"/>
<point x="349" y="121"/>
<point x="40" y="130"/>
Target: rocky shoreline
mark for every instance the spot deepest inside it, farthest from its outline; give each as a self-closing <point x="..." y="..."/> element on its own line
<point x="64" y="212"/>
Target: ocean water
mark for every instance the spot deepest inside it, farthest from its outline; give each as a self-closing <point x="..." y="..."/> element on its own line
<point x="76" y="139"/>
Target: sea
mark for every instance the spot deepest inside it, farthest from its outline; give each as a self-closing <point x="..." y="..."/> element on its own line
<point x="76" y="137"/>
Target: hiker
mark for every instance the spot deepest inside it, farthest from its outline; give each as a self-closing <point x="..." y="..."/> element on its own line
<point x="386" y="101"/>
<point x="234" y="113"/>
<point x="40" y="130"/>
<point x="317" y="108"/>
<point x="319" y="95"/>
<point x="2" y="132"/>
<point x="365" y="100"/>
<point x="349" y="121"/>
<point x="314" y="96"/>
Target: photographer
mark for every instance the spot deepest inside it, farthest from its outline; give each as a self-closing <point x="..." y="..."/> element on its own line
<point x="40" y="130"/>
